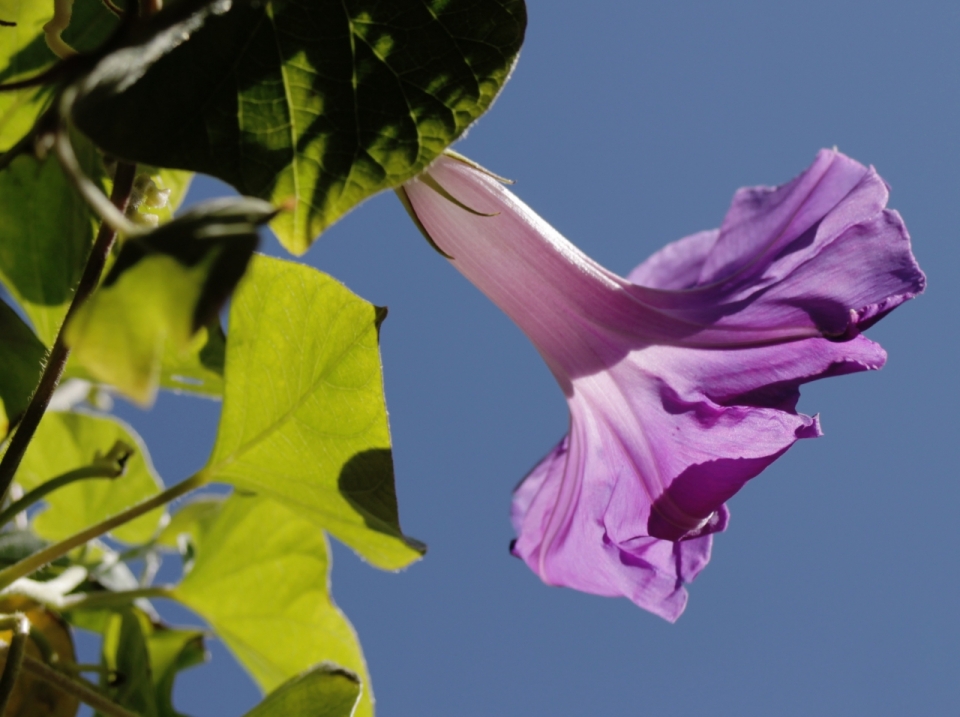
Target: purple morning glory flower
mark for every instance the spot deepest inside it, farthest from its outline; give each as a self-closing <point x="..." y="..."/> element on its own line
<point x="683" y="378"/>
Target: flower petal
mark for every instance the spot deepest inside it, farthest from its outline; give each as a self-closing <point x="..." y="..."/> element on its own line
<point x="678" y="265"/>
<point x="683" y="380"/>
<point x="820" y="253"/>
<point x="649" y="572"/>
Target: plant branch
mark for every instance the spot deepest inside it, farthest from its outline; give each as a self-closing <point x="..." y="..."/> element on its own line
<point x="109" y="466"/>
<point x="36" y="561"/>
<point x="57" y="359"/>
<point x="79" y="688"/>
<point x="16" y="651"/>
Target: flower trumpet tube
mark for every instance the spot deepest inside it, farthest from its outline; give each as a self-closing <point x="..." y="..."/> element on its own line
<point x="683" y="378"/>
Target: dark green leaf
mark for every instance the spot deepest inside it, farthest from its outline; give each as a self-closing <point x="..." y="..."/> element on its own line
<point x="21" y="357"/>
<point x="172" y="651"/>
<point x="145" y="657"/>
<point x="125" y="654"/>
<point x="304" y="418"/>
<point x="327" y="101"/>
<point x="324" y="691"/>
<point x="67" y="441"/>
<point x="15" y="545"/>
<point x="162" y="290"/>
<point x="261" y="581"/>
<point x="46" y="232"/>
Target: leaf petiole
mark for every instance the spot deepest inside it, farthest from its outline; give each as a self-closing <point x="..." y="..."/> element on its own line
<point x="36" y="561"/>
<point x="108" y="466"/>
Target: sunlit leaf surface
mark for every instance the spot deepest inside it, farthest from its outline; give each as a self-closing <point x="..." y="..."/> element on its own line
<point x="162" y="290"/>
<point x="261" y="580"/>
<point x="304" y="418"/>
<point x="67" y="441"/>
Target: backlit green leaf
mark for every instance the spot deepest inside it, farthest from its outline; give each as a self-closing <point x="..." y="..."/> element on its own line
<point x="200" y="369"/>
<point x="304" y="418"/>
<point x="261" y="580"/>
<point x="67" y="441"/>
<point x="46" y="232"/>
<point x="326" y="101"/>
<point x="24" y="53"/>
<point x="324" y="691"/>
<point x="21" y="355"/>
<point x="192" y="519"/>
<point x="162" y="290"/>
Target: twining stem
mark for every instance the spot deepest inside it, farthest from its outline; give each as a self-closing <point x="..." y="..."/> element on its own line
<point x="100" y="469"/>
<point x="77" y="687"/>
<point x="107" y="598"/>
<point x="16" y="651"/>
<point x="36" y="561"/>
<point x="57" y="360"/>
<point x="112" y="215"/>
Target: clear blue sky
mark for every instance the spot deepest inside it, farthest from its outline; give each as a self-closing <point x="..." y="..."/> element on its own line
<point x="627" y="125"/>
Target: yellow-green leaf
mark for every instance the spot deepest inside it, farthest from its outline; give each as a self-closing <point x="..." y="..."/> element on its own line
<point x="162" y="290"/>
<point x="304" y="417"/>
<point x="261" y="579"/>
<point x="67" y="441"/>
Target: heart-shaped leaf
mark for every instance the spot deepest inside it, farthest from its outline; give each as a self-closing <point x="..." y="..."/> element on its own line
<point x="304" y="418"/>
<point x="327" y="101"/>
<point x="261" y="580"/>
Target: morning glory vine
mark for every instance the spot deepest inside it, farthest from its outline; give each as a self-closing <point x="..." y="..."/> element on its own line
<point x="681" y="378"/>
